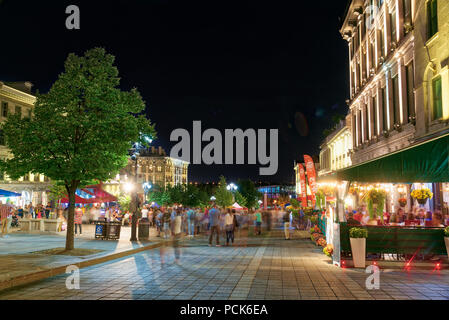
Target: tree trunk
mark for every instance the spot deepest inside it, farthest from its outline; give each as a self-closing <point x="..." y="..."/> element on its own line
<point x="70" y="236"/>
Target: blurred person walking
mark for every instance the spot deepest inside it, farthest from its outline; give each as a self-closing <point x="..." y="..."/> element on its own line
<point x="177" y="228"/>
<point x="214" y="220"/>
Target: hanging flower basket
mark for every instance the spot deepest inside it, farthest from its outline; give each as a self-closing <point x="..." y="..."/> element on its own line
<point x="421" y="195"/>
<point x="422" y="201"/>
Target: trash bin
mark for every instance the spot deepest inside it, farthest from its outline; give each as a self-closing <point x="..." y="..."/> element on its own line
<point x="100" y="229"/>
<point x="144" y="229"/>
<point x="113" y="230"/>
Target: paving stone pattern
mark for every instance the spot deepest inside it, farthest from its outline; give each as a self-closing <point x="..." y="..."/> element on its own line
<point x="255" y="269"/>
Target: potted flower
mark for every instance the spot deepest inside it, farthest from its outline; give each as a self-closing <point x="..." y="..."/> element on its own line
<point x="421" y="195"/>
<point x="402" y="202"/>
<point x="321" y="242"/>
<point x="357" y="237"/>
<point x="328" y="250"/>
<point x="446" y="239"/>
<point x="376" y="201"/>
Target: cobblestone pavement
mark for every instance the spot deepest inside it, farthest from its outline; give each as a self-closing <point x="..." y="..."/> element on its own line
<point x="265" y="268"/>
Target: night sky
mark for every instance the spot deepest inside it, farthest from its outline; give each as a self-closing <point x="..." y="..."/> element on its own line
<point x="231" y="64"/>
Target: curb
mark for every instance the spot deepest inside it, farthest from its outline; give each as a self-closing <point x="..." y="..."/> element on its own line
<point x="37" y="276"/>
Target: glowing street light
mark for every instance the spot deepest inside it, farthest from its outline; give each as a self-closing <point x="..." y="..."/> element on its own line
<point x="128" y="187"/>
<point x="232" y="187"/>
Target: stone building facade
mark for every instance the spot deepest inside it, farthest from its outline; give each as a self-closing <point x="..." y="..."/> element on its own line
<point x="399" y="76"/>
<point x="16" y="97"/>
<point x="335" y="150"/>
<point x="154" y="168"/>
<point x="399" y="79"/>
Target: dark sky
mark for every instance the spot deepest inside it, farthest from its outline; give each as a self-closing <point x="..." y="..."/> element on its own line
<point x="231" y="64"/>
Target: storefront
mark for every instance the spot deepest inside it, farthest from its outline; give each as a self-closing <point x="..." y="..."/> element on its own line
<point x="424" y="165"/>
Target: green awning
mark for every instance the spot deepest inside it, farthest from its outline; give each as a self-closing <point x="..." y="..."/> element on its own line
<point x="422" y="162"/>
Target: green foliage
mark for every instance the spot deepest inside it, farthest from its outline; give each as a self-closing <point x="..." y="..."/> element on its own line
<point x="377" y="197"/>
<point x="295" y="203"/>
<point x="57" y="192"/>
<point x="124" y="202"/>
<point x="446" y="232"/>
<point x="224" y="196"/>
<point x="81" y="129"/>
<point x="250" y="192"/>
<point x="358" y="233"/>
<point x="320" y="199"/>
<point x="240" y="199"/>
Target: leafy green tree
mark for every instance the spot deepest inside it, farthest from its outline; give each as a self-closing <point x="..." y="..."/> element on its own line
<point x="176" y="193"/>
<point x="250" y="192"/>
<point x="57" y="192"/>
<point x="240" y="199"/>
<point x="224" y="197"/>
<point x="124" y="201"/>
<point x="82" y="128"/>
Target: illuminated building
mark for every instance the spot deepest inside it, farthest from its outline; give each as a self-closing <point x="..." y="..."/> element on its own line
<point x="336" y="149"/>
<point x="399" y="75"/>
<point x="155" y="168"/>
<point x="16" y="98"/>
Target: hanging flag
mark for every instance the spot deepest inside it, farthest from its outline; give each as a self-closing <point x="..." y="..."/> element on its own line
<point x="311" y="174"/>
<point x="302" y="179"/>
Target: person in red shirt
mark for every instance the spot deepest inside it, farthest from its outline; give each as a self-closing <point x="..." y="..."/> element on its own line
<point x="358" y="216"/>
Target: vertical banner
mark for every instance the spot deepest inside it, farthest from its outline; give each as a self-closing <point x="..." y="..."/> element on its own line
<point x="311" y="174"/>
<point x="302" y="179"/>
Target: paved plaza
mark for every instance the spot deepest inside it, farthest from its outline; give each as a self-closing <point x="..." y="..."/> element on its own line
<point x="255" y="268"/>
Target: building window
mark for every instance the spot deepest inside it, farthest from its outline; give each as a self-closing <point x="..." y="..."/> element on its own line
<point x="18" y="110"/>
<point x="366" y="131"/>
<point x="384" y="109"/>
<point x="407" y="7"/>
<point x="4" y="109"/>
<point x="410" y="80"/>
<point x="437" y="98"/>
<point x="30" y="112"/>
<point x="374" y="113"/>
<point x="2" y="138"/>
<point x="381" y="42"/>
<point x="393" y="26"/>
<point x="359" y="127"/>
<point x="432" y="17"/>
<point x="396" y="118"/>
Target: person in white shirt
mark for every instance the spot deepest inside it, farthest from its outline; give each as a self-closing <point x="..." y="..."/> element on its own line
<point x="177" y="224"/>
<point x="144" y="213"/>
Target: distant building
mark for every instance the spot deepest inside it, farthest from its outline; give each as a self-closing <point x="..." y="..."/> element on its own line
<point x="276" y="191"/>
<point x="335" y="151"/>
<point x="16" y="98"/>
<point x="154" y="168"/>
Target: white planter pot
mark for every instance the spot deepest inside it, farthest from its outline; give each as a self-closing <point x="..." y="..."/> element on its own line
<point x="358" y="248"/>
<point x="446" y="240"/>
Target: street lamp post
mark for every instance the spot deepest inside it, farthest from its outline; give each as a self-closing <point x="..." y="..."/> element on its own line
<point x="135" y="206"/>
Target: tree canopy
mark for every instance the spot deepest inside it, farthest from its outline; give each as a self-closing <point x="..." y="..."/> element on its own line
<point x="80" y="130"/>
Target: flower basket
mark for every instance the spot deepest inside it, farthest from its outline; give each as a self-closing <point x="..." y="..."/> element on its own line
<point x="421" y="195"/>
<point x="402" y="202"/>
<point x="422" y="201"/>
